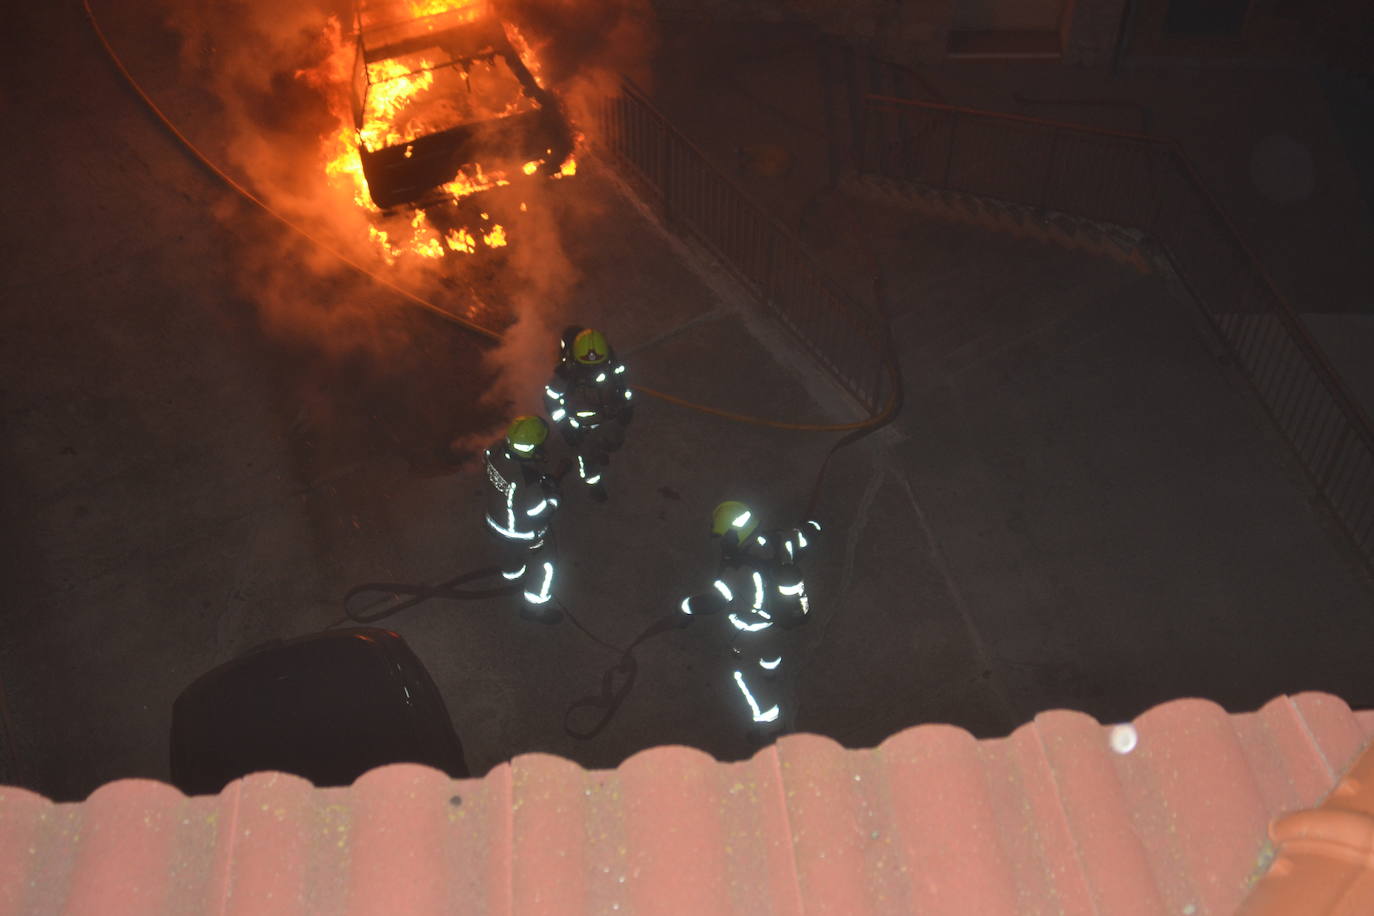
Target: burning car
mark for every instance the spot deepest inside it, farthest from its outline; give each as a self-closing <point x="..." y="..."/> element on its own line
<point x="445" y="103"/>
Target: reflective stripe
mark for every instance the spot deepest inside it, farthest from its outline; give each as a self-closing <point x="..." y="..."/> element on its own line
<point x="543" y="504"/>
<point x="619" y="370"/>
<point x="594" y="480"/>
<point x="558" y="414"/>
<point x="815" y="524"/>
<point x="758" y="590"/>
<point x="510" y="532"/>
<point x="520" y="447"/>
<point x="805" y="606"/>
<point x="556" y="395"/>
<point x="586" y="413"/>
<point x="581" y="468"/>
<point x="686" y="605"/>
<point x="575" y="424"/>
<point x="770" y="715"/>
<point x="801" y="539"/>
<point x="507" y="489"/>
<point x="724" y="590"/>
<point x="628" y="395"/>
<point x="514" y="575"/>
<point x="763" y="541"/>
<point x="766" y="665"/>
<point x="790" y="554"/>
<point x="502" y="485"/>
<point x="741" y="520"/>
<point x="544" y="590"/>
<point x="749" y="627"/>
<point x="601" y="378"/>
<point x="798" y="589"/>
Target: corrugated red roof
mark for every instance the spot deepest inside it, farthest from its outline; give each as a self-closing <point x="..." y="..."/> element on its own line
<point x="1049" y="819"/>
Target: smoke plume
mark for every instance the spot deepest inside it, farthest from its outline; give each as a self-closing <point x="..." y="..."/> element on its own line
<point x="279" y="77"/>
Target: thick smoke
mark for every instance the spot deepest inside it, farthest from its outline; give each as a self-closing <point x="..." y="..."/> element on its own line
<point x="267" y="124"/>
<point x="585" y="46"/>
<point x="281" y="90"/>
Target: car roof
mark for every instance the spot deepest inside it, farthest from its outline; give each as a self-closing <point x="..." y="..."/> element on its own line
<point x="327" y="707"/>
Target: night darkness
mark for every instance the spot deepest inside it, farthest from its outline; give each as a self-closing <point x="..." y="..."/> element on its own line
<point x="213" y="427"/>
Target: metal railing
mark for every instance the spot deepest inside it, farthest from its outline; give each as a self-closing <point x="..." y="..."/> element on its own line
<point x="774" y="266"/>
<point x="1147" y="183"/>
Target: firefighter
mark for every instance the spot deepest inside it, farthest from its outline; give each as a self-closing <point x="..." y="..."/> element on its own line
<point x="589" y="402"/>
<point x="759" y="589"/>
<point x="521" y="503"/>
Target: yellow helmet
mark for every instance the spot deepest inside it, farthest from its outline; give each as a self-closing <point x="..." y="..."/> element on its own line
<point x="525" y="434"/>
<point x="589" y="347"/>
<point x="731" y="516"/>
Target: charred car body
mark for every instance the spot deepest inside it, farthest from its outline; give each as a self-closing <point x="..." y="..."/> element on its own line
<point x="446" y="97"/>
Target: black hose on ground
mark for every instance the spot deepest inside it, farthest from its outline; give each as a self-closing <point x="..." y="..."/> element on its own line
<point x="611" y="695"/>
<point x="398" y="596"/>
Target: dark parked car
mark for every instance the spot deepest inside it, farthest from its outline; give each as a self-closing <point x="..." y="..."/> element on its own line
<point x="328" y="707"/>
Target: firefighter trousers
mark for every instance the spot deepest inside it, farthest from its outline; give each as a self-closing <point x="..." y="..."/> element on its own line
<point x="531" y="564"/>
<point x="758" y="677"/>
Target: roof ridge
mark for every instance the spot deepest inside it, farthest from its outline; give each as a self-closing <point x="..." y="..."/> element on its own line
<point x="506" y="781"/>
<point x="224" y="870"/>
<point x="1290" y="701"/>
<point x="1063" y="813"/>
<point x="774" y="756"/>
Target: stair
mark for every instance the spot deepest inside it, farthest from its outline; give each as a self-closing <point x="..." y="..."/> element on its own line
<point x="1123" y="245"/>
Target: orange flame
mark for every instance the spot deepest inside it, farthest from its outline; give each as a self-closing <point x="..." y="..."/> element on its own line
<point x="395" y="88"/>
<point x="496" y="238"/>
<point x="461" y="240"/>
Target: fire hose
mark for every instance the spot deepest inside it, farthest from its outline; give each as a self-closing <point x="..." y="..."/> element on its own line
<point x="398" y="597"/>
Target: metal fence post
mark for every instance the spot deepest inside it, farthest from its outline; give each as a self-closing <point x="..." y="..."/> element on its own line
<point x="1333" y="459"/>
<point x="769" y="259"/>
<point x="665" y="174"/>
<point x="949" y="152"/>
<point x="1049" y="168"/>
<point x="1153" y="226"/>
<point x="858" y="109"/>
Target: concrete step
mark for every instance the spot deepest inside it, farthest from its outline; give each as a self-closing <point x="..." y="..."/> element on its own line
<point x="1059" y="229"/>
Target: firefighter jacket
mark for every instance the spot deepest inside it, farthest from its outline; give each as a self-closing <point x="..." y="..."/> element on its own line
<point x="759" y="590"/>
<point x="521" y="498"/>
<point x="582" y="398"/>
<point x="759" y="582"/>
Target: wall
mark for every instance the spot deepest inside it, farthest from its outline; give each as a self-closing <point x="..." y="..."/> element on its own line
<point x="1089" y="31"/>
<point x="1035" y="15"/>
<point x="916" y="31"/>
<point x="905" y="31"/>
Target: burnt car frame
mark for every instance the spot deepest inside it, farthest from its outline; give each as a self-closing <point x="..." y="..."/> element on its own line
<point x="486" y="111"/>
